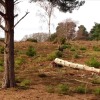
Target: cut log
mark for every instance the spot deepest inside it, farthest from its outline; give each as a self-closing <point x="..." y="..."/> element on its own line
<point x="76" y="65"/>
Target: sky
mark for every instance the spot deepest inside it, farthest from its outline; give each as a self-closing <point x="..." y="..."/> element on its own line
<point x="86" y="15"/>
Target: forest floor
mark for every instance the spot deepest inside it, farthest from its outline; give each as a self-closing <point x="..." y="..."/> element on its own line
<point x="38" y="79"/>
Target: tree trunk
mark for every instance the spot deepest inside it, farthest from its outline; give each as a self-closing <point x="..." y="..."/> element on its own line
<point x="75" y="65"/>
<point x="9" y="75"/>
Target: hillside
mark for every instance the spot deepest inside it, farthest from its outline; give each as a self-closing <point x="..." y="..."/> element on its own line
<point x="38" y="79"/>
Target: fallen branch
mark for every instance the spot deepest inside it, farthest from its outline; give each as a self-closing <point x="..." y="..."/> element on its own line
<point x="75" y="65"/>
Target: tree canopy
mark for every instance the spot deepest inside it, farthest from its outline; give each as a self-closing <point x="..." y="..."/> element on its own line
<point x="95" y="32"/>
<point x="65" y="5"/>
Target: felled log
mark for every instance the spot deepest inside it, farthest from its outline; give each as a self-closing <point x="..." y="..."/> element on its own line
<point x="75" y="65"/>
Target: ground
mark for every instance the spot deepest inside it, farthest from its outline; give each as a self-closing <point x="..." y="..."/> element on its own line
<point x="38" y="79"/>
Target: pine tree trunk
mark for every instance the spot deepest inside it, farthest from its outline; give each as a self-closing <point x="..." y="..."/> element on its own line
<point x="9" y="75"/>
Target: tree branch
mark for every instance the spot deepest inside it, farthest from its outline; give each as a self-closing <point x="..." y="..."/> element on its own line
<point x="2" y="27"/>
<point x="2" y="2"/>
<point x="2" y="14"/>
<point x="21" y="19"/>
<point x="15" y="15"/>
<point x="16" y="2"/>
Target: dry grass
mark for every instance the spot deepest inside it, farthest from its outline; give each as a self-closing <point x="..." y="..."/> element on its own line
<point x="31" y="69"/>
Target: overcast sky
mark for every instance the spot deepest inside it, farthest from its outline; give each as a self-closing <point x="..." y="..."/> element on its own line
<point x="85" y="15"/>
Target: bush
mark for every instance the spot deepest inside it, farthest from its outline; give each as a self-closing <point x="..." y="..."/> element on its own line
<point x="96" y="48"/>
<point x="72" y="49"/>
<point x="31" y="40"/>
<point x="93" y="62"/>
<point x="52" y="37"/>
<point x="76" y="55"/>
<point x="83" y="48"/>
<point x="81" y="89"/>
<point x="25" y="83"/>
<point x="31" y="51"/>
<point x="19" y="61"/>
<point x="63" y="40"/>
<point x="97" y="91"/>
<point x="54" y="55"/>
<point x="63" y="89"/>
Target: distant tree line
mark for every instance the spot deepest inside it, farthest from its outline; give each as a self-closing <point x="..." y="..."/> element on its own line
<point x="66" y="30"/>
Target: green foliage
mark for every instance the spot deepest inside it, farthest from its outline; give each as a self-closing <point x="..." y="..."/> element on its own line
<point x="1" y="50"/>
<point x="76" y="55"/>
<point x="97" y="91"/>
<point x="25" y="83"/>
<point x="96" y="48"/>
<point x="63" y="89"/>
<point x="83" y="48"/>
<point x="95" y="32"/>
<point x="72" y="49"/>
<point x="62" y="40"/>
<point x="1" y="65"/>
<point x="31" y="51"/>
<point x="1" y="62"/>
<point x="19" y="61"/>
<point x="55" y="54"/>
<point x="52" y="37"/>
<point x="81" y="89"/>
<point x="93" y="62"/>
<point x="1" y="68"/>
<point x="31" y="40"/>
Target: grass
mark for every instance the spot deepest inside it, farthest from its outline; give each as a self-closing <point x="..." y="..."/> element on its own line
<point x="97" y="91"/>
<point x="62" y="89"/>
<point x="1" y="68"/>
<point x="93" y="62"/>
<point x="55" y="54"/>
<point x="81" y="89"/>
<point x="50" y="89"/>
<point x="82" y="48"/>
<point x="25" y="83"/>
<point x="96" y="48"/>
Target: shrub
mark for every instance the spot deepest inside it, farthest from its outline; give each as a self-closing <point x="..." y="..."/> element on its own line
<point x="25" y="83"/>
<point x="96" y="48"/>
<point x="63" y="40"/>
<point x="31" y="40"/>
<point x="54" y="55"/>
<point x="83" y="48"/>
<point x="72" y="49"/>
<point x="93" y="62"/>
<point x="63" y="89"/>
<point x="31" y="51"/>
<point x="97" y="91"/>
<point x="81" y="89"/>
<point x="76" y="55"/>
<point x="19" y="61"/>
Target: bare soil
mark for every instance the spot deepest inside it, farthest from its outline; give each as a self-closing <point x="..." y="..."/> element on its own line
<point x="41" y="73"/>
